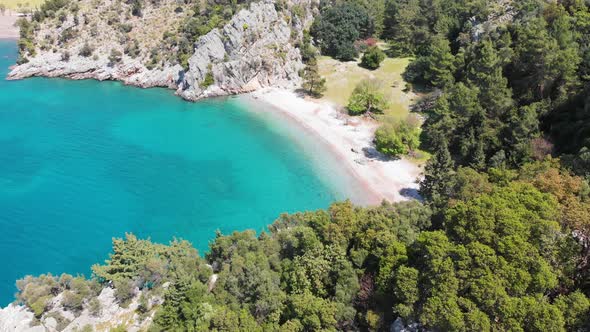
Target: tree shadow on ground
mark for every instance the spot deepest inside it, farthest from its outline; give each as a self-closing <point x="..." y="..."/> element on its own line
<point x="370" y="152"/>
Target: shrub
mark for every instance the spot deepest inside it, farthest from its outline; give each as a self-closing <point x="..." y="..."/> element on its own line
<point x="94" y="307"/>
<point x="67" y="34"/>
<point x="125" y="28"/>
<point x="372" y="58"/>
<point x="86" y="50"/>
<point x="143" y="305"/>
<point x="132" y="49"/>
<point x="398" y="137"/>
<point x="65" y="56"/>
<point x="62" y="17"/>
<point x="298" y="11"/>
<point x="367" y="97"/>
<point x="136" y="8"/>
<point x="154" y="59"/>
<point x="40" y="305"/>
<point x="124" y="291"/>
<point x="37" y="292"/>
<point x="115" y="56"/>
<point x="208" y="80"/>
<point x="72" y="301"/>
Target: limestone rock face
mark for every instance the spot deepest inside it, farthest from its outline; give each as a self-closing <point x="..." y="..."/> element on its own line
<point x="131" y="72"/>
<point x="254" y="49"/>
<point x="15" y="318"/>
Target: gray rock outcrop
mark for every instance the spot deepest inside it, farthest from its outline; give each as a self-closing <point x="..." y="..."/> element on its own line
<point x="254" y="49"/>
<point x="17" y="318"/>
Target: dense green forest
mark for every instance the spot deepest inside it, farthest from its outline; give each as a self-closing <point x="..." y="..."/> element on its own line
<point x="502" y="239"/>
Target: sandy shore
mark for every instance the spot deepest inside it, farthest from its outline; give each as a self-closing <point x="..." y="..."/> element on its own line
<point x="7" y="28"/>
<point x="351" y="139"/>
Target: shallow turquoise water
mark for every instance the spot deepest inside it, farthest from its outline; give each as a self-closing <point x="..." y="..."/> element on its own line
<point x="82" y="162"/>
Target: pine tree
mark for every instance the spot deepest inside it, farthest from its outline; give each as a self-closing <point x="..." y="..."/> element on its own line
<point x="485" y="71"/>
<point x="313" y="83"/>
<point x="438" y="176"/>
<point x="440" y="63"/>
<point x="401" y="26"/>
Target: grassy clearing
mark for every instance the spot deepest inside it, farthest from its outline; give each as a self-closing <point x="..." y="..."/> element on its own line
<point x="342" y="77"/>
<point x="18" y="5"/>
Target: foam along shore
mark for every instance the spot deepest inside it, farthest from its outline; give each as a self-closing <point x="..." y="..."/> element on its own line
<point x="351" y="139"/>
<point x="7" y="28"/>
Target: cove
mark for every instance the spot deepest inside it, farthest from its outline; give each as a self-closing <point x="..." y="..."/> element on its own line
<point x="84" y="161"/>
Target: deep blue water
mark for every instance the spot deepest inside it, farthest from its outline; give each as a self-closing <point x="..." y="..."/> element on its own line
<point x="84" y="161"/>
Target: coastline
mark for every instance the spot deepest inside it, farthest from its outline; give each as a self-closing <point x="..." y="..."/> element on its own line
<point x="7" y="29"/>
<point x="350" y="139"/>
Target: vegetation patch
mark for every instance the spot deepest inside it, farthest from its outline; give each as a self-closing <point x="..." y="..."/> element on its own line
<point x="343" y="77"/>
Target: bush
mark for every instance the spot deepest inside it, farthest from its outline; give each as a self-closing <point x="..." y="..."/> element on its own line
<point x="40" y="305"/>
<point x="132" y="49"/>
<point x="367" y="97"/>
<point x="37" y="292"/>
<point x="86" y="50"/>
<point x="125" y="28"/>
<point x="72" y="301"/>
<point x="398" y="137"/>
<point x="124" y="292"/>
<point x="143" y="306"/>
<point x="67" y="35"/>
<point x="94" y="307"/>
<point x="372" y="58"/>
<point x="65" y="56"/>
<point x="115" y="56"/>
<point x="208" y="80"/>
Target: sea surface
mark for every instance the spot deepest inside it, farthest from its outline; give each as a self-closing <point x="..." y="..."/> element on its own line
<point x="82" y="162"/>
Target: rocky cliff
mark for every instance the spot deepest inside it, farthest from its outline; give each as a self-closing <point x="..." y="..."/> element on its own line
<point x="255" y="48"/>
<point x="110" y="315"/>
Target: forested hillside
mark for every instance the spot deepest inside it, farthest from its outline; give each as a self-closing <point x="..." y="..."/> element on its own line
<point x="501" y="241"/>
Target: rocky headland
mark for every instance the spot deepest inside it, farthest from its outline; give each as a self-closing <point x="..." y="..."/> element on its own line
<point x="256" y="48"/>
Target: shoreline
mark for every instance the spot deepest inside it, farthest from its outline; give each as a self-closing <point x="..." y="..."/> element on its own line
<point x="7" y="29"/>
<point x="350" y="139"/>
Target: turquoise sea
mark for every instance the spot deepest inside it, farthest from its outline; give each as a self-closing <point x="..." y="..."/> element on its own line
<point x="84" y="161"/>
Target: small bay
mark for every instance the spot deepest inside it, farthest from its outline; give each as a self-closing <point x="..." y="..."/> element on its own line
<point x="84" y="161"/>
